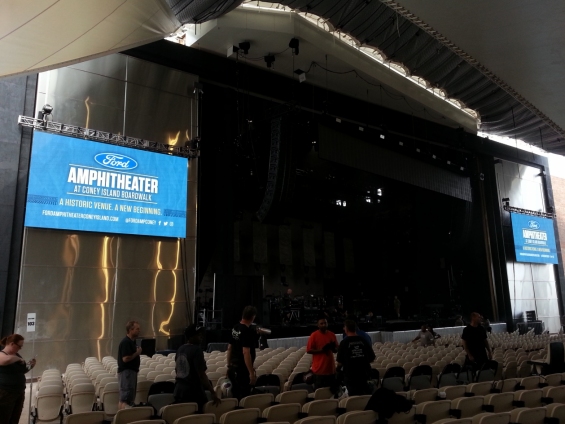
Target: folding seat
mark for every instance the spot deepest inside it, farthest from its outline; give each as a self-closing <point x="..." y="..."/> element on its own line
<point x="490" y="418"/>
<point x="160" y="400"/>
<point x="248" y="415"/>
<point x="430" y="412"/>
<point x="524" y="370"/>
<point x="532" y="382"/>
<point x="93" y="417"/>
<point x="126" y="416"/>
<point x="293" y="396"/>
<point x="454" y="421"/>
<point x="163" y="377"/>
<point x="528" y="398"/>
<point x="487" y="372"/>
<point x="528" y="415"/>
<point x="425" y="395"/>
<point x="171" y="413"/>
<point x="82" y="398"/>
<point x="553" y="379"/>
<point x="393" y="379"/>
<point x="449" y="375"/>
<point x="510" y="370"/>
<point x="197" y="419"/>
<point x="260" y="401"/>
<point x="555" y="410"/>
<point x="467" y="406"/>
<point x="323" y="393"/>
<point x="142" y="392"/>
<point x="507" y="385"/>
<point x="321" y="407"/>
<point x="317" y="420"/>
<point x="480" y="389"/>
<point x="148" y="422"/>
<point x="499" y="402"/>
<point x="47" y="404"/>
<point x="420" y="378"/>
<point x="453" y="392"/>
<point x="354" y="403"/>
<point x="109" y="400"/>
<point x="225" y="405"/>
<point x="288" y="412"/>
<point x="556" y="394"/>
<point x="358" y="417"/>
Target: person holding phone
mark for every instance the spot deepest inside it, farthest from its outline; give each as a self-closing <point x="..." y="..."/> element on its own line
<point x="128" y="364"/>
<point x="12" y="379"/>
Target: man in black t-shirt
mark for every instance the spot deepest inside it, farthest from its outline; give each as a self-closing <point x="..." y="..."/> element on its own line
<point x="128" y="364"/>
<point x="355" y="355"/>
<point x="475" y="342"/>
<point x="241" y="354"/>
<point x="190" y="368"/>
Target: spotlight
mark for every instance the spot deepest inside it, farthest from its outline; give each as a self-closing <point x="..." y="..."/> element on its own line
<point x="269" y="60"/>
<point x="338" y="202"/>
<point x="344" y="203"/>
<point x="245" y="46"/>
<point x="379" y="192"/>
<point x="294" y="44"/>
<point x="301" y="75"/>
<point x="368" y="199"/>
<point x="382" y="136"/>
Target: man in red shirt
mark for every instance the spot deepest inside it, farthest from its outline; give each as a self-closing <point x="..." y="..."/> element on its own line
<point x="321" y="345"/>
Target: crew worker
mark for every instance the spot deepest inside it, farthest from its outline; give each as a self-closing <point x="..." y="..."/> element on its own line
<point x="354" y="356"/>
<point x="241" y="354"/>
<point x="190" y="368"/>
<point x="475" y="343"/>
<point x="128" y="365"/>
<point x="322" y="343"/>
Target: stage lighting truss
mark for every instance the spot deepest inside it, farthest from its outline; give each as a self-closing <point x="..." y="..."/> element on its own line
<point x="108" y="138"/>
<point x="550" y="215"/>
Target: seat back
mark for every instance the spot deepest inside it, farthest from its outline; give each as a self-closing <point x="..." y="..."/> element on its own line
<point x="556" y="410"/>
<point x="93" y="417"/>
<point x="282" y="413"/>
<point x="425" y="395"/>
<point x="248" y="415"/>
<point x="434" y="411"/>
<point x="528" y="415"/>
<point x="355" y="403"/>
<point x="293" y="396"/>
<point x="323" y="393"/>
<point x="557" y="394"/>
<point x="197" y="419"/>
<point x="321" y="407"/>
<point x="449" y="375"/>
<point x="487" y="371"/>
<point x="490" y="418"/>
<point x="531" y="398"/>
<point x="161" y="387"/>
<point x="268" y="380"/>
<point x="529" y="383"/>
<point x="453" y="392"/>
<point x="82" y="399"/>
<point x="317" y="420"/>
<point x="142" y="391"/>
<point x="501" y="402"/>
<point x="260" y="402"/>
<point x="480" y="389"/>
<point x="395" y="372"/>
<point x="110" y="399"/>
<point x="126" y="416"/>
<point x="49" y="403"/>
<point x="160" y="400"/>
<point x="507" y="385"/>
<point x="468" y="406"/>
<point x="358" y="417"/>
<point x="225" y="405"/>
<point x="170" y="413"/>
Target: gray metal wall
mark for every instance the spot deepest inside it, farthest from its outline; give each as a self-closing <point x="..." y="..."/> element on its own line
<point x="84" y="286"/>
<point x="531" y="286"/>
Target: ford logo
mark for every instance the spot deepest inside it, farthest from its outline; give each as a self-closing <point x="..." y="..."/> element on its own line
<point x="115" y="161"/>
<point x="534" y="225"/>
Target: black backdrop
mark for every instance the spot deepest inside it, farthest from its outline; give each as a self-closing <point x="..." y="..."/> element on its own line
<point x="234" y="292"/>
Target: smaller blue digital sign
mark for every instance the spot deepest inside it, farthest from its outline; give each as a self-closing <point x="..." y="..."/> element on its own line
<point x="534" y="239"/>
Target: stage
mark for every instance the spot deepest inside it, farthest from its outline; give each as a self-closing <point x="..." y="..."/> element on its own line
<point x="298" y="336"/>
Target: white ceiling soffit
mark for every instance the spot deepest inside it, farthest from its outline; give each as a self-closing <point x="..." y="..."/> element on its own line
<point x="521" y="42"/>
<point x="270" y="31"/>
<point x="36" y="36"/>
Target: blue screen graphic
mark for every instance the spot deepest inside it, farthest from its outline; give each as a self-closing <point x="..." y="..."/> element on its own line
<point x="77" y="184"/>
<point x="534" y="239"/>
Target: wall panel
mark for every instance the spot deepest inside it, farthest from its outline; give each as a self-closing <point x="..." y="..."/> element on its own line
<point x="85" y="286"/>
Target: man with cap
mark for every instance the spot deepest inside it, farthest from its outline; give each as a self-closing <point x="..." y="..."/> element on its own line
<point x="191" y="379"/>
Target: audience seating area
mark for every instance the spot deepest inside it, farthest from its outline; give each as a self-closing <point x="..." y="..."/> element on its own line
<point x="430" y="377"/>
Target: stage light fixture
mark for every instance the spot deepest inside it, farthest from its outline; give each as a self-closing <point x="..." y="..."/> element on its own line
<point x="338" y="202"/>
<point x="245" y="46"/>
<point x="344" y="203"/>
<point x="294" y="45"/>
<point x="301" y="75"/>
<point x="379" y="192"/>
<point x="269" y="60"/>
<point x="382" y="136"/>
<point x="400" y="143"/>
<point x="368" y="199"/>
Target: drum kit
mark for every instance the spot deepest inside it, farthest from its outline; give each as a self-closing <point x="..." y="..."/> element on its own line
<point x="299" y="309"/>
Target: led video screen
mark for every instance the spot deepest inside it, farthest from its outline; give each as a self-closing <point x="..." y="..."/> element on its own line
<point x="77" y="184"/>
<point x="534" y="240"/>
